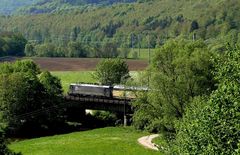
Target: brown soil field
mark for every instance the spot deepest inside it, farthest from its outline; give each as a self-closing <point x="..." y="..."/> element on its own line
<point x="77" y="64"/>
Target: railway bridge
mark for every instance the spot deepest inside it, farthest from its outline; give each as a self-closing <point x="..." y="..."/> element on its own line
<point x="120" y="105"/>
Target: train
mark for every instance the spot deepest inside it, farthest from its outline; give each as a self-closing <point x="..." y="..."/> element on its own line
<point x="90" y="90"/>
<point x="102" y="91"/>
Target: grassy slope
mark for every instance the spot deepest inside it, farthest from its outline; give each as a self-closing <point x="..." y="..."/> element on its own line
<point x="106" y="141"/>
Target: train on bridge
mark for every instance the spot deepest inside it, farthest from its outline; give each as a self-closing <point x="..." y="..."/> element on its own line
<point x="103" y="91"/>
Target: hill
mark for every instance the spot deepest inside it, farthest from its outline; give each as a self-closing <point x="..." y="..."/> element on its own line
<point x="130" y="24"/>
<point x="47" y="6"/>
<point x="99" y="141"/>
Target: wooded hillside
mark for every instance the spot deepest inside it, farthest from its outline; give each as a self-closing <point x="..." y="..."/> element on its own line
<point x="123" y="23"/>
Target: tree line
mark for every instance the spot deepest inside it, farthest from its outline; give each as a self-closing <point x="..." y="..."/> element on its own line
<point x="76" y="49"/>
<point x="14" y="44"/>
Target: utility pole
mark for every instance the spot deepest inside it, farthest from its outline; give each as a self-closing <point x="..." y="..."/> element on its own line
<point x="132" y="42"/>
<point x="138" y="46"/>
<point x="194" y="36"/>
<point x="149" y="49"/>
<point x="148" y="57"/>
<point x="124" y="111"/>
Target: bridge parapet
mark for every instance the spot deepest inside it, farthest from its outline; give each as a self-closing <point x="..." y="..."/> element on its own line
<point x="110" y="104"/>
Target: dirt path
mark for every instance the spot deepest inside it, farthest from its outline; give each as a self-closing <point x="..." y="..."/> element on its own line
<point x="146" y="141"/>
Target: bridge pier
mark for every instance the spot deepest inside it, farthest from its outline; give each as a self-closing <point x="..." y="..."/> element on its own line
<point x="119" y="105"/>
<point x="125" y="120"/>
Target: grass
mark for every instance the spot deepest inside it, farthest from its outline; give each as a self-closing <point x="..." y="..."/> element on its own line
<point x="68" y="77"/>
<point x="161" y="141"/>
<point x="105" y="141"/>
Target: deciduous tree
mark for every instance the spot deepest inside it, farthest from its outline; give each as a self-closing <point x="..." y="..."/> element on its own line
<point x="111" y="71"/>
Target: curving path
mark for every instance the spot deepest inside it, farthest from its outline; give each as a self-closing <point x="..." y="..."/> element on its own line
<point x="146" y="141"/>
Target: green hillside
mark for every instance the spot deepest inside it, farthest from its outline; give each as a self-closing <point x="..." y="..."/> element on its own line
<point x="110" y="141"/>
<point x="50" y="6"/>
<point x="130" y="24"/>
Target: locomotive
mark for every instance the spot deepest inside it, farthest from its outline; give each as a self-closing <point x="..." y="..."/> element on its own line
<point x="90" y="90"/>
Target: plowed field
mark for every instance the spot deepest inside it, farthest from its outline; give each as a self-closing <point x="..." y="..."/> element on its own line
<point x="81" y="64"/>
<point x="75" y="64"/>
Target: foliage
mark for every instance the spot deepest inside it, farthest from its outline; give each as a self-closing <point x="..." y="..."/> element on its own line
<point x="72" y="49"/>
<point x="51" y="83"/>
<point x="17" y="97"/>
<point x="52" y="96"/>
<point x="111" y="71"/>
<point x="24" y="66"/>
<point x="104" y="118"/>
<point x="25" y="98"/>
<point x="213" y="127"/>
<point x="180" y="71"/>
<point x="12" y="44"/>
<point x="43" y="6"/>
<point x="3" y="146"/>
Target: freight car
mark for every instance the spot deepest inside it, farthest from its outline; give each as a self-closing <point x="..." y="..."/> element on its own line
<point x="92" y="90"/>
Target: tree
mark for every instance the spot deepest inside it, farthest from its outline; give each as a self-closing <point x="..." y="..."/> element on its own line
<point x="76" y="49"/>
<point x="51" y="83"/>
<point x="20" y="93"/>
<point x="109" y="50"/>
<point x="27" y="100"/>
<point x="179" y="72"/>
<point x="111" y="71"/>
<point x="213" y="127"/>
<point x="52" y="97"/>
<point x="12" y="44"/>
<point x="194" y="26"/>
<point x="29" y="50"/>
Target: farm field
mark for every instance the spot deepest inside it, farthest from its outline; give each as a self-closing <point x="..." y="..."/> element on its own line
<point x="81" y="64"/>
<point x="74" y="64"/>
<point x="105" y="141"/>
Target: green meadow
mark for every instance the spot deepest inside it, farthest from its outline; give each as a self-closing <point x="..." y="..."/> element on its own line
<point x="68" y="77"/>
<point x="104" y="141"/>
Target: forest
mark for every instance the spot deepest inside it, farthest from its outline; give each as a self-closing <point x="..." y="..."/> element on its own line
<point x="139" y="24"/>
<point x="47" y="6"/>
